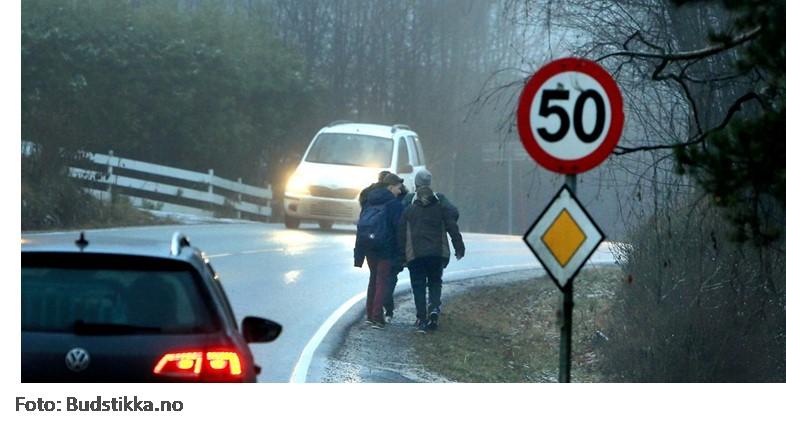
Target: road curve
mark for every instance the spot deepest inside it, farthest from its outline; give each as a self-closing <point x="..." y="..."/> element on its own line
<point x="304" y="278"/>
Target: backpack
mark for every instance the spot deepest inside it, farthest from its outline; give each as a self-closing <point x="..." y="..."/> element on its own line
<point x="373" y="230"/>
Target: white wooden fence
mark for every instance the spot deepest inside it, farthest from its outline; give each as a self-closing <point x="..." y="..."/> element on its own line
<point x="165" y="188"/>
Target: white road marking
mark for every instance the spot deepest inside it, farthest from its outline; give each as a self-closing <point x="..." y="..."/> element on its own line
<point x="264" y="250"/>
<point x="304" y="362"/>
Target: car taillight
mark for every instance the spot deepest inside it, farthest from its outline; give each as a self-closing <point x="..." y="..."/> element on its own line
<point x="223" y="363"/>
<point x="209" y="365"/>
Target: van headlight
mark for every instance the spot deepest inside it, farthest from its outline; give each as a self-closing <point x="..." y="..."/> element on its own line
<point x="297" y="185"/>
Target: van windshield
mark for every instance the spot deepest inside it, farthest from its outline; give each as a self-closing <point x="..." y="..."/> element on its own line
<point x="349" y="149"/>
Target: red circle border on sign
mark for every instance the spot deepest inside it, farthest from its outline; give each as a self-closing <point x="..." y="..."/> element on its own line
<point x="570" y="64"/>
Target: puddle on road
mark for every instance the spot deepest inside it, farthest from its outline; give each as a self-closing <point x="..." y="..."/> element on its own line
<point x="295" y="241"/>
<point x="292" y="276"/>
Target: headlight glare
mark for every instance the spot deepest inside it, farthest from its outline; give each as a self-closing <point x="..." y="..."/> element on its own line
<point x="297" y="185"/>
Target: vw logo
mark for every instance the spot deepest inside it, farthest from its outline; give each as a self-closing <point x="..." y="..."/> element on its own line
<point x="77" y="359"/>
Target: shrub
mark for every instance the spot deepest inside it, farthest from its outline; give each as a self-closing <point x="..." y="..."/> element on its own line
<point x="697" y="306"/>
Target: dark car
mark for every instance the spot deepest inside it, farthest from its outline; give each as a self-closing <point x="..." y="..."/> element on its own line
<point x="96" y="312"/>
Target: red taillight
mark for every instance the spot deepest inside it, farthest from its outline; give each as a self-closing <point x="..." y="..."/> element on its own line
<point x="182" y="364"/>
<point x="223" y="363"/>
<point x="200" y="365"/>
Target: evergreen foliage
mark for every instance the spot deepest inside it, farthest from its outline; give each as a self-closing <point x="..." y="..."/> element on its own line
<point x="207" y="85"/>
<point x="743" y="165"/>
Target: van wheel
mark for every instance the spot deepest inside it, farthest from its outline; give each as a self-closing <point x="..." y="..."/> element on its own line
<point x="291" y="222"/>
<point x="325" y="225"/>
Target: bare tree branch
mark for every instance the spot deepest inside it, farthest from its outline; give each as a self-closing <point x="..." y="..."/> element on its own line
<point x="733" y="109"/>
<point x="687" y="55"/>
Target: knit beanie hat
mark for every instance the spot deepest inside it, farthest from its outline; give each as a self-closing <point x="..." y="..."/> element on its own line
<point x="423" y="178"/>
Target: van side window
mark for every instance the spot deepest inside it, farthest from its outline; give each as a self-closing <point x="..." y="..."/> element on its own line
<point x="421" y="156"/>
<point x="413" y="151"/>
<point x="403" y="155"/>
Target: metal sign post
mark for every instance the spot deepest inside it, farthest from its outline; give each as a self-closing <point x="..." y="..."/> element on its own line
<point x="566" y="330"/>
<point x="566" y="333"/>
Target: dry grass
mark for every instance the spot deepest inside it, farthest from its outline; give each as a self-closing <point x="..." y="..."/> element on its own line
<point x="510" y="332"/>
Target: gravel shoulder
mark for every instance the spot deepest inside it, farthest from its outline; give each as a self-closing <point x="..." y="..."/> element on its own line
<point x="500" y="328"/>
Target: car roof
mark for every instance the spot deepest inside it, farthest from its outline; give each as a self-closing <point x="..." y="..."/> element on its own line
<point x="381" y="130"/>
<point x="110" y="245"/>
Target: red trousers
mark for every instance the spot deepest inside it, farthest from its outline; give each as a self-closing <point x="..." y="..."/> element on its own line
<point x="379" y="285"/>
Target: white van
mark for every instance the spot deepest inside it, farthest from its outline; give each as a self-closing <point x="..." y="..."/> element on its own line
<point x="343" y="159"/>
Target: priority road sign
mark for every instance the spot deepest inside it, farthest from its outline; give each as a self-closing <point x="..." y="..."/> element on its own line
<point x="563" y="237"/>
<point x="570" y="115"/>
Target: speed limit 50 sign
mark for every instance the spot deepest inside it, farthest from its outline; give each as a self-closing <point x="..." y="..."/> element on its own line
<point x="570" y="115"/>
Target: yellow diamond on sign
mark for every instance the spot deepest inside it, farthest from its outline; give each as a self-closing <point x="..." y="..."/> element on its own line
<point x="564" y="237"/>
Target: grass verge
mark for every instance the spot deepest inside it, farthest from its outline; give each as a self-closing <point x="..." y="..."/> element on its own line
<point x="510" y="332"/>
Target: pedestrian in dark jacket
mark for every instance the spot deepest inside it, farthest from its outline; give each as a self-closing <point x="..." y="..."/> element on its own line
<point x="381" y="260"/>
<point x="423" y="241"/>
<point x="388" y="305"/>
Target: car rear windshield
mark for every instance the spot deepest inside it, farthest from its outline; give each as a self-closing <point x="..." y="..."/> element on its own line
<point x="113" y="300"/>
<point x="349" y="149"/>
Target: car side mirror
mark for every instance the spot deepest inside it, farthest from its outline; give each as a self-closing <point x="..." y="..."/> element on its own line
<point x="259" y="330"/>
<point x="408" y="169"/>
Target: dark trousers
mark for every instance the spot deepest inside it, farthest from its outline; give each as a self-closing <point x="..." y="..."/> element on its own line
<point x="379" y="287"/>
<point x="426" y="272"/>
<point x="389" y="299"/>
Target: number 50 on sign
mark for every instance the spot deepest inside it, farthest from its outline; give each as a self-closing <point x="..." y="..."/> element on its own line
<point x="570" y="115"/>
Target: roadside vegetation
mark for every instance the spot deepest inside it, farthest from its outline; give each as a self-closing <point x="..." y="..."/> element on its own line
<point x="195" y="84"/>
<point x="52" y="200"/>
<point x="697" y="305"/>
<point x="510" y="332"/>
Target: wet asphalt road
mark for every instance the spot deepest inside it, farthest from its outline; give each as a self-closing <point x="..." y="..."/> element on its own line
<point x="300" y="277"/>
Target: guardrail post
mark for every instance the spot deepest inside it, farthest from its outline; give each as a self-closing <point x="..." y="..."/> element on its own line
<point x="239" y="198"/>
<point x="110" y="172"/>
<point x="210" y="175"/>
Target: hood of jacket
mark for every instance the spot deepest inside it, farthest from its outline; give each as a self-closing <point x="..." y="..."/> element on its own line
<point x="380" y="196"/>
<point x="424" y="196"/>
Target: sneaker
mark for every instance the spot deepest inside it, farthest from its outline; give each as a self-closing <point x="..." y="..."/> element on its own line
<point x="378" y="325"/>
<point x="369" y="322"/>
<point x="433" y="319"/>
<point x="421" y="326"/>
<point x="388" y="318"/>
